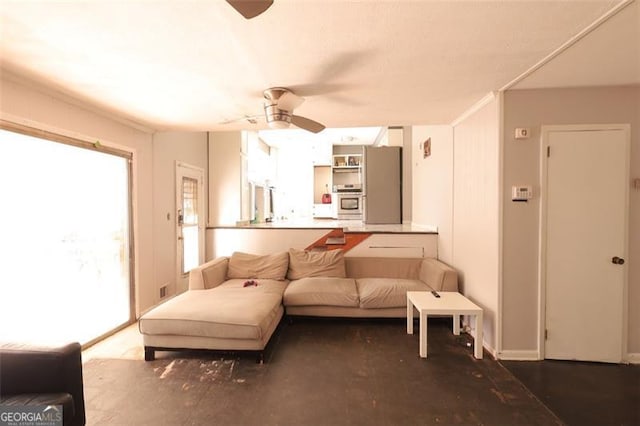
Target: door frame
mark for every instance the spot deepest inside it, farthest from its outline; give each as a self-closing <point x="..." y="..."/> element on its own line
<point x="542" y="249"/>
<point x="185" y="169"/>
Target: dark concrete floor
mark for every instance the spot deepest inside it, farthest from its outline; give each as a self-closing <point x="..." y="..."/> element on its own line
<point x="318" y="372"/>
<point x="584" y="393"/>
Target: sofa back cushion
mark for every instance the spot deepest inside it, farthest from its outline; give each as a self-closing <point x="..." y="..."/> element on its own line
<point x="383" y="267"/>
<point x="439" y="275"/>
<point x="269" y="266"/>
<point x="305" y="264"/>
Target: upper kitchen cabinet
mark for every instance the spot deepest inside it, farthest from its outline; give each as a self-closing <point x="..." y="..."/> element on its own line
<point x="321" y="153"/>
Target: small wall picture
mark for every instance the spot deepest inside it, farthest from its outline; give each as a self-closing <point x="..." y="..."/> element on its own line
<point x="426" y="147"/>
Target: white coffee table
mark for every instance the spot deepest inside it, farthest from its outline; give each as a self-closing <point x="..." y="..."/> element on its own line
<point x="449" y="303"/>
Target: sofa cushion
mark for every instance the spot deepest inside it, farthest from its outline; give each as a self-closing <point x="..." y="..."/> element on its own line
<point x="386" y="292"/>
<point x="270" y="266"/>
<point x="229" y="311"/>
<point x="321" y="291"/>
<point x="304" y="264"/>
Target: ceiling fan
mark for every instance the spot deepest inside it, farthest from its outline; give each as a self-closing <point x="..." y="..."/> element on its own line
<point x="250" y="8"/>
<point x="279" y="103"/>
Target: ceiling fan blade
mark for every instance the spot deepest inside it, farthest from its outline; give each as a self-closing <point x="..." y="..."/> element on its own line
<point x="250" y="8"/>
<point x="289" y="101"/>
<point x="251" y="119"/>
<point x="307" y="124"/>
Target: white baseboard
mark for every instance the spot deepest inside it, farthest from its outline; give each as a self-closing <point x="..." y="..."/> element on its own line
<point x="491" y="350"/>
<point x="485" y="345"/>
<point x="516" y="355"/>
<point x="633" y="358"/>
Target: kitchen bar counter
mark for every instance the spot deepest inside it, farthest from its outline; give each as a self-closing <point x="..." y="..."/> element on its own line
<point x="362" y="239"/>
<point x="348" y="226"/>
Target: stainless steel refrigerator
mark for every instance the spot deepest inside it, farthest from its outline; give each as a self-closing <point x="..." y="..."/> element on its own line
<point x="382" y="197"/>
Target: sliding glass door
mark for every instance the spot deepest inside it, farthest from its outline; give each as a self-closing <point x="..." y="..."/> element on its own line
<point x="65" y="251"/>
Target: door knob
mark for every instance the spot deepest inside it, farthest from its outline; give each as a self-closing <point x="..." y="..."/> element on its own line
<point x="617" y="260"/>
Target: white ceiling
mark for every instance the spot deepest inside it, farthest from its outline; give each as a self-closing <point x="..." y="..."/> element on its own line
<point x="608" y="55"/>
<point x="192" y="65"/>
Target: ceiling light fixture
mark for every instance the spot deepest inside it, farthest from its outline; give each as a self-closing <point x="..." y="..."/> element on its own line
<point x="277" y="118"/>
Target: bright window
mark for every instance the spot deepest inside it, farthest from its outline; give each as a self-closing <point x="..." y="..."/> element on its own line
<point x="65" y="248"/>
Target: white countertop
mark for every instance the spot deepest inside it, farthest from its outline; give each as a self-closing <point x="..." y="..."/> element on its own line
<point x="346" y="225"/>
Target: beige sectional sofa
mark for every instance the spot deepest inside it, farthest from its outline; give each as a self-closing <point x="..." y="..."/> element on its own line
<point x="223" y="310"/>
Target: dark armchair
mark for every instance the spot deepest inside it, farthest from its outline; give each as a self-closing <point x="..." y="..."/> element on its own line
<point x="38" y="376"/>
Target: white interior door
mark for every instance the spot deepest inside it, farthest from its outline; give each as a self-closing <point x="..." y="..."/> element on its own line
<point x="190" y="221"/>
<point x="585" y="198"/>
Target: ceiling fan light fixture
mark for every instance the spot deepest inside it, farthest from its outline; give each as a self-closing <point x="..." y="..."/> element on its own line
<point x="277" y="118"/>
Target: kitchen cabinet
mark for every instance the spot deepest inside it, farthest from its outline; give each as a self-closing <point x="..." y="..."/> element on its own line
<point x="398" y="245"/>
<point x="324" y="211"/>
<point x="321" y="153"/>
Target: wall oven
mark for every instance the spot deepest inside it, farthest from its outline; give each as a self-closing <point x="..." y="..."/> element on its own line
<point x="349" y="199"/>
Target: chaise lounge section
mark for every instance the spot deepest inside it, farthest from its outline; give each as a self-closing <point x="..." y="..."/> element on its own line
<point x="219" y="312"/>
<point x="236" y="303"/>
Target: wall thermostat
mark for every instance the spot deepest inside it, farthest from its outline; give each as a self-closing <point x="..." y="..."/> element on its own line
<point x="521" y="193"/>
<point x="522" y="133"/>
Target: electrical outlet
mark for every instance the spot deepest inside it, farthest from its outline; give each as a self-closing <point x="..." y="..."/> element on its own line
<point x="163" y="291"/>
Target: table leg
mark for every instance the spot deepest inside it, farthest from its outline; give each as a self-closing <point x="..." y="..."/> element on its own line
<point x="456" y="324"/>
<point x="409" y="316"/>
<point x="423" y="334"/>
<point x="477" y="343"/>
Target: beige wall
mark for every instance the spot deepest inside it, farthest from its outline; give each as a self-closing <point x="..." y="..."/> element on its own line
<point x="433" y="184"/>
<point x="169" y="147"/>
<point x="26" y="104"/>
<point x="533" y="108"/>
<point x="225" y="174"/>
<point x="476" y="211"/>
